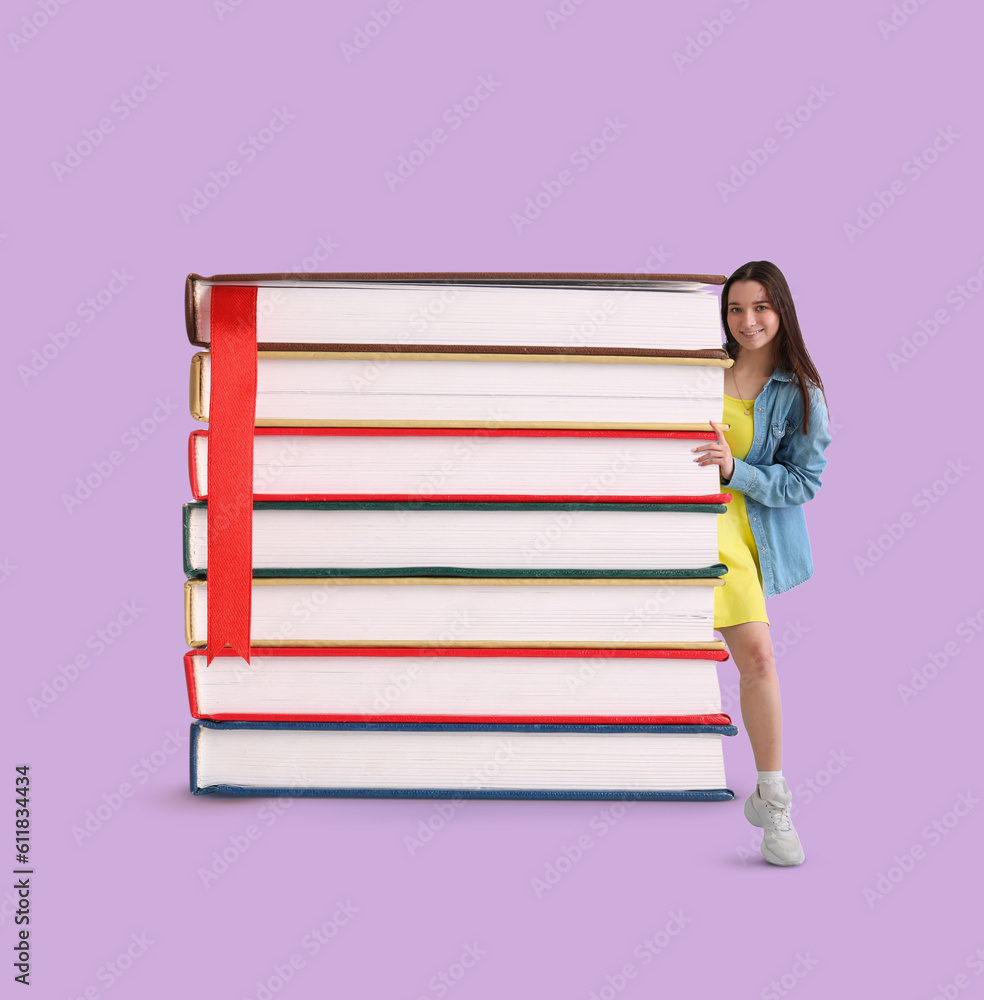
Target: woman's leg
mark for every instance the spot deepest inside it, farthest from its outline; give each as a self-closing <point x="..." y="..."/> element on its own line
<point x="750" y="646"/>
<point x="761" y="712"/>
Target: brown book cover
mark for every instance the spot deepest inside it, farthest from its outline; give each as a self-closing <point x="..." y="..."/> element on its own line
<point x="492" y="277"/>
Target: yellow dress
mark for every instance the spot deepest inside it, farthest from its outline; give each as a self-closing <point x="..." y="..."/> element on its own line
<point x="741" y="599"/>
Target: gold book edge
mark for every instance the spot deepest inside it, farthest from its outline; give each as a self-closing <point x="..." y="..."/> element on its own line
<point x="189" y="635"/>
<point x="197" y="406"/>
<point x="195" y="389"/>
<point x="623" y="359"/>
<point x="454" y="581"/>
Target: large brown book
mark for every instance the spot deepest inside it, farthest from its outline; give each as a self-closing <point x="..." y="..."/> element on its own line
<point x="460" y="312"/>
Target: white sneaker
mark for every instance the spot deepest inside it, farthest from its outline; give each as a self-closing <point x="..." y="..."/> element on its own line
<point x="780" y="844"/>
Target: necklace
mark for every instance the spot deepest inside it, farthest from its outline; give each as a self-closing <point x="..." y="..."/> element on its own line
<point x="740" y="397"/>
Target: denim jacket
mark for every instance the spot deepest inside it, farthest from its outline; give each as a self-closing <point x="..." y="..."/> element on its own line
<point x="779" y="474"/>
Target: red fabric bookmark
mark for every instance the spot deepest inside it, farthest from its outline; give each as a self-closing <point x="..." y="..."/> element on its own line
<point x="230" y="468"/>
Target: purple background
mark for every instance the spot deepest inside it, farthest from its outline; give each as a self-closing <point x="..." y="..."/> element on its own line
<point x="845" y="641"/>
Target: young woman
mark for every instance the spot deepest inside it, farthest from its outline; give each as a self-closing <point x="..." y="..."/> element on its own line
<point x="771" y="461"/>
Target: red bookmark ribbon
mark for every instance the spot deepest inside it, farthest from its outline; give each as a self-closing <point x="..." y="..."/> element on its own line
<point x="232" y="410"/>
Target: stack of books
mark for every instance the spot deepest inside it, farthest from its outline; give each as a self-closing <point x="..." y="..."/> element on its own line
<point x="483" y="558"/>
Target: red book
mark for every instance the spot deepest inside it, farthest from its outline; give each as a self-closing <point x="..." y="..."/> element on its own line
<point x="457" y="684"/>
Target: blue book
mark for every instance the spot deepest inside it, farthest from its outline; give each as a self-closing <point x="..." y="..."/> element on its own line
<point x="460" y="760"/>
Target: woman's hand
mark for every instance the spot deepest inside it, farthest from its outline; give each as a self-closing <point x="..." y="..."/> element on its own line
<point x="718" y="453"/>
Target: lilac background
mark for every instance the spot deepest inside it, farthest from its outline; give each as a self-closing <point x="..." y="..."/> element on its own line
<point x="851" y="635"/>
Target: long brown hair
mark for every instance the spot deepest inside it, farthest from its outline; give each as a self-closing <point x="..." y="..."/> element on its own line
<point x="791" y="354"/>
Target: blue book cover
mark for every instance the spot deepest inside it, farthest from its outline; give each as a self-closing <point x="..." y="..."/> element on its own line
<point x="206" y="786"/>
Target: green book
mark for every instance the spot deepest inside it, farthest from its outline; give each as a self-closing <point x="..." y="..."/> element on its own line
<point x="478" y="539"/>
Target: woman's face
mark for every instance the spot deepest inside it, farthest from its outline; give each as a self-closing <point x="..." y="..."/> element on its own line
<point x="751" y="319"/>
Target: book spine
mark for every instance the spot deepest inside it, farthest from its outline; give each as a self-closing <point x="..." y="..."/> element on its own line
<point x="702" y="795"/>
<point x="504" y="727"/>
<point x="718" y="719"/>
<point x="571" y="652"/>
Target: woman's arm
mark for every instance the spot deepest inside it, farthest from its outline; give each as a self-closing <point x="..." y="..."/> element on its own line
<point x="794" y="478"/>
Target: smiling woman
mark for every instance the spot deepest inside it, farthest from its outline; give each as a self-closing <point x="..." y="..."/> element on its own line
<point x="770" y="459"/>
